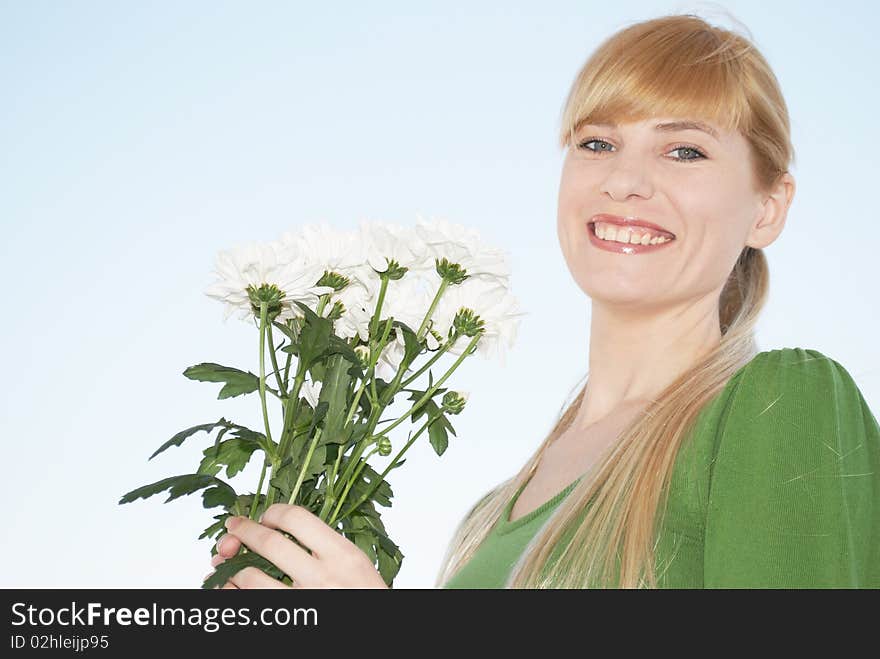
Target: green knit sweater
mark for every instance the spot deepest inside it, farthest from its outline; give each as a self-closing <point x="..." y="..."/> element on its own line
<point x="778" y="486"/>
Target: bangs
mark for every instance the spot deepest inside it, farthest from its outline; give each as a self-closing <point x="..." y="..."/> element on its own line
<point x="659" y="69"/>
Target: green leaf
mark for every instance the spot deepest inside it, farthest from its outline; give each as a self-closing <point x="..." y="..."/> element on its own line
<point x="179" y="438"/>
<point x="388" y="554"/>
<point x="334" y="393"/>
<point x="270" y="448"/>
<point x="340" y="346"/>
<point x="232" y="566"/>
<point x="389" y="565"/>
<point x="314" y="338"/>
<point x="220" y="493"/>
<point x="288" y="332"/>
<point x="364" y="483"/>
<point x="215" y="528"/>
<point x="233" y="453"/>
<point x="437" y="435"/>
<point x="237" y="382"/>
<point x="429" y="407"/>
<point x="284" y="478"/>
<point x="358" y="530"/>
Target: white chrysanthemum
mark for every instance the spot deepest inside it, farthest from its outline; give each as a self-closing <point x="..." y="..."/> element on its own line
<point x="359" y="303"/>
<point x="464" y="246"/>
<point x="256" y="264"/>
<point x="493" y="303"/>
<point x="310" y="391"/>
<point x="331" y="249"/>
<point x="345" y="253"/>
<point x="384" y="242"/>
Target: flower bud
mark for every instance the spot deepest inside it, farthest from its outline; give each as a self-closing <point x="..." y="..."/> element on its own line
<point x="363" y="352"/>
<point x="454" y="401"/>
<point x="336" y="311"/>
<point x="451" y="272"/>
<point x="333" y="279"/>
<point x="268" y="293"/>
<point x="394" y="271"/>
<point x="384" y="445"/>
<point x="467" y="322"/>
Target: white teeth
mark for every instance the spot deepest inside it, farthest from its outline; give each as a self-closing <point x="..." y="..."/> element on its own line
<point x="626" y="235"/>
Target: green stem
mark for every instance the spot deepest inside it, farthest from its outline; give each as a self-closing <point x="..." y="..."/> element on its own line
<point x="443" y="285"/>
<point x="290" y="412"/>
<point x="263" y="370"/>
<point x="430" y="392"/>
<point x="371" y="369"/>
<point x="374" y="356"/>
<point x="253" y="511"/>
<point x="281" y="386"/>
<point x="375" y="319"/>
<point x="302" y="471"/>
<point x="348" y="480"/>
<point x="437" y="355"/>
<point x="375" y="412"/>
<point x="381" y="478"/>
<point x="378" y="410"/>
<point x="352" y="480"/>
<point x="322" y="302"/>
<point x="328" y="493"/>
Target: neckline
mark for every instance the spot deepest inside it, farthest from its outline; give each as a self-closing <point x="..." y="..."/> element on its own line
<point x="506" y="526"/>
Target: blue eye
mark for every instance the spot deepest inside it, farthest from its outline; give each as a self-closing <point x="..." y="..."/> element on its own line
<point x="680" y="147"/>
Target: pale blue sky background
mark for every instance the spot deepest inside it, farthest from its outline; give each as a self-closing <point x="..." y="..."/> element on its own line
<point x="137" y="139"/>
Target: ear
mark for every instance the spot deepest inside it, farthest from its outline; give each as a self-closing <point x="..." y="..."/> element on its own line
<point x="772" y="213"/>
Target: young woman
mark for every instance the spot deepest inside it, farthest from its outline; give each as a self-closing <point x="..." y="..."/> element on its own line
<point x="688" y="459"/>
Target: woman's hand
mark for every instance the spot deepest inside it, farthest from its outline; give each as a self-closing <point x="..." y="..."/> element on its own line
<point x="335" y="562"/>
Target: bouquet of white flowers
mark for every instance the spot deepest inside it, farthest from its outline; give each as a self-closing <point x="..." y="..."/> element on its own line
<point x="357" y="309"/>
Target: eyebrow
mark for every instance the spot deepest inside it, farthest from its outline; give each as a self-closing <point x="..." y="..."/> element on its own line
<point x="676" y="125"/>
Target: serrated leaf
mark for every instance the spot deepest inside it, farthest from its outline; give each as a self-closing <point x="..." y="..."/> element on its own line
<point x="220" y="493"/>
<point x="270" y="448"/>
<point x="364" y="483"/>
<point x="233" y="453"/>
<point x="237" y="382"/>
<point x="179" y="438"/>
<point x="233" y="565"/>
<point x="216" y="527"/>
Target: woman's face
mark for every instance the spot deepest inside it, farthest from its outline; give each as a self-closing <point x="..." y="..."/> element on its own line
<point x="694" y="185"/>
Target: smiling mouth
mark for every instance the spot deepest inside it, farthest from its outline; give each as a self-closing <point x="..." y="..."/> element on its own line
<point x="615" y="234"/>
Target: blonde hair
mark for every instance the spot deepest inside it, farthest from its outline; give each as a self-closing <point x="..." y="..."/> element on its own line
<point x="606" y="526"/>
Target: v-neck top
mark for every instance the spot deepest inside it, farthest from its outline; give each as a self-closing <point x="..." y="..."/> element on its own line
<point x="506" y="526"/>
<point x="777" y="486"/>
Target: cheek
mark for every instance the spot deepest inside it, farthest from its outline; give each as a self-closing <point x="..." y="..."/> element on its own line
<point x="714" y="238"/>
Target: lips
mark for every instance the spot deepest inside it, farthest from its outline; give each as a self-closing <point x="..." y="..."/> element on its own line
<point x="627" y="248"/>
<point x="630" y="221"/>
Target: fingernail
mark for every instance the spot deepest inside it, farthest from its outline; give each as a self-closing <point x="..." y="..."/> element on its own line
<point x="220" y="542"/>
<point x="232" y="522"/>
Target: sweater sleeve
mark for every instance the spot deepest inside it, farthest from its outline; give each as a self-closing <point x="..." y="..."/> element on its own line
<point x="794" y="494"/>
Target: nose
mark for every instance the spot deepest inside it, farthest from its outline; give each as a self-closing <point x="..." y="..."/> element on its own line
<point x="626" y="175"/>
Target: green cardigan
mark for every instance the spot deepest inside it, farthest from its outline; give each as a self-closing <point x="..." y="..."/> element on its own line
<point x="777" y="487"/>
